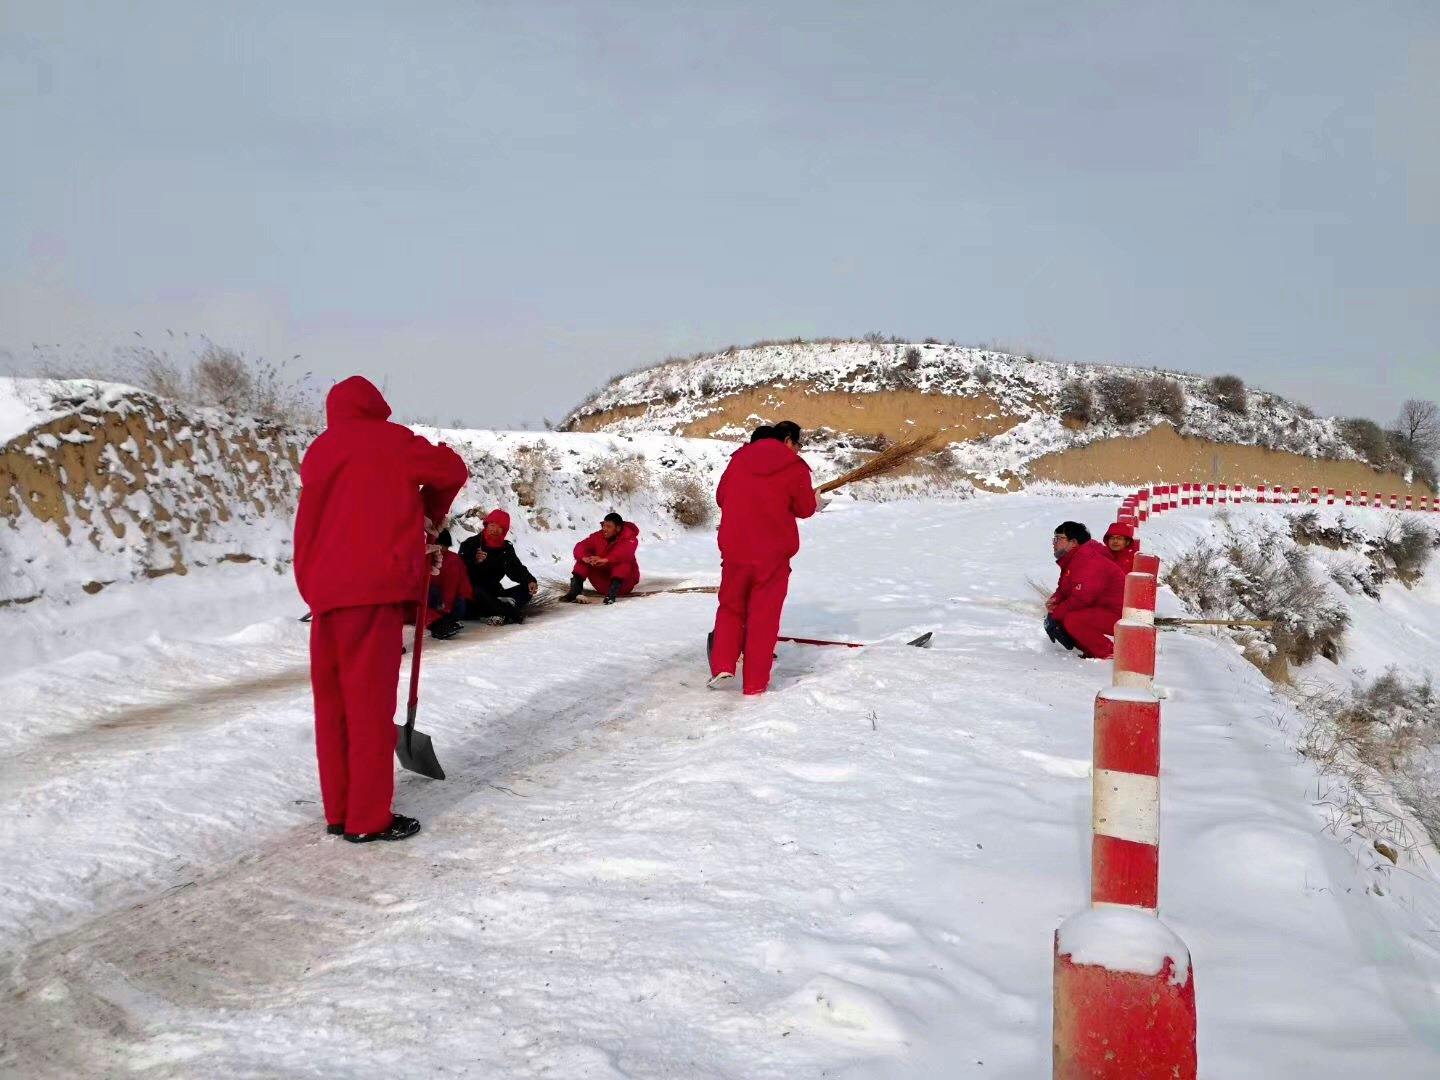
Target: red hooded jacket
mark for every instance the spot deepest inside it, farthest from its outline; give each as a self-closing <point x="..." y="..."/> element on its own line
<point x="367" y="486"/>
<point x="1125" y="559"/>
<point x="764" y="489"/>
<point x="619" y="552"/>
<point x="1088" y="579"/>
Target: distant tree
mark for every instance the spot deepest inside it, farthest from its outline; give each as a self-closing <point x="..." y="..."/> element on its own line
<point x="1418" y="428"/>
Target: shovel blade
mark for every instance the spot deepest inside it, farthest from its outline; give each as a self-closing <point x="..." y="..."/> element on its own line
<point x="417" y="753"/>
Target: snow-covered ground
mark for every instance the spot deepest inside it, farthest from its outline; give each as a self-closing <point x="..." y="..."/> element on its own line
<point x="626" y="875"/>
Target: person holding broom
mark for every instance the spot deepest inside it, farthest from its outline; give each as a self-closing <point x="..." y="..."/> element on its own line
<point x="371" y="494"/>
<point x="764" y="490"/>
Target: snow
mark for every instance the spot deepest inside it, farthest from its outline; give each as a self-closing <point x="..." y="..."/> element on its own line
<point x="628" y="875"/>
<point x="1121" y="939"/>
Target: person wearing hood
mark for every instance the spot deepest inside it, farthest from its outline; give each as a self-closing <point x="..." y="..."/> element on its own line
<point x="764" y="490"/>
<point x="489" y="558"/>
<point x="1083" y="610"/>
<point x="1120" y="544"/>
<point x="607" y="560"/>
<point x="371" y="493"/>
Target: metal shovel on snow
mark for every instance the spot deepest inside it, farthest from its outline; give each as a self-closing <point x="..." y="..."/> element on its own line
<point x="414" y="748"/>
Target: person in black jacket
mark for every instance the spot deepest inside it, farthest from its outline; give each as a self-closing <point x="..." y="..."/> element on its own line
<point x="489" y="558"/>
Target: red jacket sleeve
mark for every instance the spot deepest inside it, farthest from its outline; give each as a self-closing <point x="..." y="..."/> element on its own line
<point x="440" y="472"/>
<point x="802" y="498"/>
<point x="585" y="547"/>
<point x="720" y="488"/>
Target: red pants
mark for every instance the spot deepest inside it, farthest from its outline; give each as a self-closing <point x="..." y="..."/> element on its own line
<point x="1092" y="629"/>
<point x="601" y="576"/>
<point x="748" y="620"/>
<point x="354" y="672"/>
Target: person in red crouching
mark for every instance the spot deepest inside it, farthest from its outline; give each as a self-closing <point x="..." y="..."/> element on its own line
<point x="764" y="490"/>
<point x="1085" y="607"/>
<point x="450" y="592"/>
<point x="607" y="560"/>
<point x="369" y="491"/>
<point x="1120" y="541"/>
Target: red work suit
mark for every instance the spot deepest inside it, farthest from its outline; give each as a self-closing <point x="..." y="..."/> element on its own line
<point x="620" y="559"/>
<point x="367" y="486"/>
<point x="764" y="490"/>
<point x="1089" y="598"/>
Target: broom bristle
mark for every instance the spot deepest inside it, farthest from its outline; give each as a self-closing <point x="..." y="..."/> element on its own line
<point x="886" y="461"/>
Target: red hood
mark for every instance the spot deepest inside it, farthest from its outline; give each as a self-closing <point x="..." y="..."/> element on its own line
<point x="355" y="398"/>
<point x="1120" y="528"/>
<point x="501" y="518"/>
<point x="764" y="458"/>
<point x="629" y="531"/>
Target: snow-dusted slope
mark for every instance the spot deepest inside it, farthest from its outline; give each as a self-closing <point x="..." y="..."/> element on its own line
<point x="629" y="876"/>
<point x="671" y="395"/>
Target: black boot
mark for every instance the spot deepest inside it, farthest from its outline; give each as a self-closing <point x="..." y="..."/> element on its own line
<point x="614" y="593"/>
<point x="1057" y="633"/>
<point x="400" y="828"/>
<point x="576" y="584"/>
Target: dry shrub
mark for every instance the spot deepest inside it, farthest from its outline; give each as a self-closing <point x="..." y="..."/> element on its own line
<point x="689" y="501"/>
<point x="1076" y="403"/>
<point x="1409" y="544"/>
<point x="1166" y="397"/>
<point x="1228" y="391"/>
<point x="1246" y="580"/>
<point x="1367" y="439"/>
<point x="1122" y="398"/>
<point x="616" y="481"/>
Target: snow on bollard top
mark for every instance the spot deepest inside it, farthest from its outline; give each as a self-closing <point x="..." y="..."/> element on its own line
<point x="1124" y="939"/>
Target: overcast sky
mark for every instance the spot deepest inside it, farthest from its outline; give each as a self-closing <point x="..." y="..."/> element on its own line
<point x="494" y="207"/>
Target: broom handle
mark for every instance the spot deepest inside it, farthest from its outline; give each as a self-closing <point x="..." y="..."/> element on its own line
<point x="1262" y="623"/>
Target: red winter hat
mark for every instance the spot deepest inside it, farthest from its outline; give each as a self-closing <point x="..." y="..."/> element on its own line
<point x="1121" y="528"/>
<point x="501" y="518"/>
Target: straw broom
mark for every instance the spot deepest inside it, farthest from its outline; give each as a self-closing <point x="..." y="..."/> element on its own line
<point x="886" y="461"/>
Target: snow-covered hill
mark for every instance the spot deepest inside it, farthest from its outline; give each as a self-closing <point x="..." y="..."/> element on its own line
<point x="1002" y="412"/>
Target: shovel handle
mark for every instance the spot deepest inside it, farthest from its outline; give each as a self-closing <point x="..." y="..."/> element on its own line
<point x="413" y="703"/>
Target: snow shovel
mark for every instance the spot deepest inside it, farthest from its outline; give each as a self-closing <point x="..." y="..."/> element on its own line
<point x="412" y="747"/>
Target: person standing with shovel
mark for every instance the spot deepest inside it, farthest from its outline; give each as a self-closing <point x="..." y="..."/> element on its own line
<point x="370" y="491"/>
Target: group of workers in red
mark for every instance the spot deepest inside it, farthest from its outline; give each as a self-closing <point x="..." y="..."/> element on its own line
<point x="371" y="489"/>
<point x="1086" y="605"/>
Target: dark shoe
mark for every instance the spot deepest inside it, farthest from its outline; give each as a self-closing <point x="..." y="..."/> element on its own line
<point x="401" y="828"/>
<point x="614" y="593"/>
<point x="335" y="830"/>
<point x="609" y="600"/>
<point x="446" y="628"/>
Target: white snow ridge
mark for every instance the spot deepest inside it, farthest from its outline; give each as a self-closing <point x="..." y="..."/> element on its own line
<point x="856" y="875"/>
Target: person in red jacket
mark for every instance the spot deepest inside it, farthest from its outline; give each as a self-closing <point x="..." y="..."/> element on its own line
<point x="1120" y="542"/>
<point x="607" y="560"/>
<point x="369" y="491"/>
<point x="1085" y="606"/>
<point x="764" y="490"/>
<point x="450" y="592"/>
